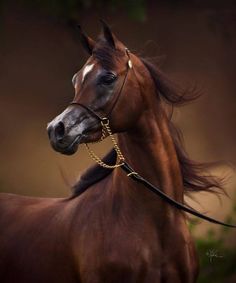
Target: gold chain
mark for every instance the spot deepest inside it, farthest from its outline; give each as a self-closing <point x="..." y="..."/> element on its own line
<point x="120" y="158"/>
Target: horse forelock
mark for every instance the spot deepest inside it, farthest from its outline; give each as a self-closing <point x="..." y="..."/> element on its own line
<point x="107" y="56"/>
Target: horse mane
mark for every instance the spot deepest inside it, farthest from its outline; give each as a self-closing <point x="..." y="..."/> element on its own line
<point x="94" y="174"/>
<point x="194" y="179"/>
<point x="192" y="172"/>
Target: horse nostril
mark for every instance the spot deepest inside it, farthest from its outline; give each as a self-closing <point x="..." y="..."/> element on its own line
<point x="59" y="131"/>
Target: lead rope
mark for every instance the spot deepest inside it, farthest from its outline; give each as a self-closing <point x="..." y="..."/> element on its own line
<point x="107" y="130"/>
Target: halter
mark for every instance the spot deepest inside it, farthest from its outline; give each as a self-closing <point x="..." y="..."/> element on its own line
<point x="126" y="167"/>
<point x="105" y="123"/>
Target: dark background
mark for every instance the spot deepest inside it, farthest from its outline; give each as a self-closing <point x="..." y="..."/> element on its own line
<point x="40" y="52"/>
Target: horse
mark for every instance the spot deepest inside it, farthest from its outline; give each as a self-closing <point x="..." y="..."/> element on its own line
<point x="110" y="229"/>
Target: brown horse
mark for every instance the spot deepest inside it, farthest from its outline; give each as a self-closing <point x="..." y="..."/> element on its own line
<point x="112" y="229"/>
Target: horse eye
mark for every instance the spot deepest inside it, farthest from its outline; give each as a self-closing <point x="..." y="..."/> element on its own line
<point x="108" y="78"/>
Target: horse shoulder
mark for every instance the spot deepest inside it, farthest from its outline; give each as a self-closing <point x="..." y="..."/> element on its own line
<point x="105" y="238"/>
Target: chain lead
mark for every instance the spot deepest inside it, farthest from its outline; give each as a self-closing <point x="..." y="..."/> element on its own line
<point x="107" y="130"/>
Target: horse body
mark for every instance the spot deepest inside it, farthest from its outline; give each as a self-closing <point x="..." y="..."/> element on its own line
<point x="128" y="246"/>
<point x="138" y="238"/>
<point x="34" y="240"/>
<point x="102" y="236"/>
<point x="116" y="231"/>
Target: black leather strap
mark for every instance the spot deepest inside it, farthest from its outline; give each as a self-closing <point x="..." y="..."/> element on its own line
<point x="90" y="110"/>
<point x="123" y="84"/>
<point x="118" y="95"/>
<point x="136" y="177"/>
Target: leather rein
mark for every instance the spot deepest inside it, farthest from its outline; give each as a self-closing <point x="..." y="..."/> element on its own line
<point x="128" y="169"/>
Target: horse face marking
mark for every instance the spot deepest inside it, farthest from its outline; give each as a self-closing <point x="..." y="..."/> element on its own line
<point x="86" y="70"/>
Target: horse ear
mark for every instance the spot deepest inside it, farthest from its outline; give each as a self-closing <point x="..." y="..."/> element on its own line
<point x="108" y="34"/>
<point x="87" y="42"/>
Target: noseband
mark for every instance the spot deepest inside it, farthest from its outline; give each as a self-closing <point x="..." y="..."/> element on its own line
<point x="126" y="167"/>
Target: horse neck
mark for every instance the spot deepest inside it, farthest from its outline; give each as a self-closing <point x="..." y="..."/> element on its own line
<point x="150" y="150"/>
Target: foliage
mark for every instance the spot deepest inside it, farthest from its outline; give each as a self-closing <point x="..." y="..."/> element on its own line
<point x="217" y="258"/>
<point x="71" y="9"/>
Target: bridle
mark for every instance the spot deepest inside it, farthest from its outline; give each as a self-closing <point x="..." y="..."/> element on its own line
<point x="125" y="166"/>
<point x="105" y="122"/>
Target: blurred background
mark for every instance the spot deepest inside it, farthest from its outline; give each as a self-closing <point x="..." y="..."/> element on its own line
<point x="40" y="52"/>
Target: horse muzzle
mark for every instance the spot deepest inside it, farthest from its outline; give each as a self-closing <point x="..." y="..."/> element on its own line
<point x="72" y="127"/>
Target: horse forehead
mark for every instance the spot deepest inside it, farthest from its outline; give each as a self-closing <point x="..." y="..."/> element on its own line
<point x="87" y="69"/>
<point x="79" y="77"/>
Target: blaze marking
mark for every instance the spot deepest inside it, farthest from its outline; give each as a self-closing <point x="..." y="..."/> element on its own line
<point x="74" y="80"/>
<point x="86" y="70"/>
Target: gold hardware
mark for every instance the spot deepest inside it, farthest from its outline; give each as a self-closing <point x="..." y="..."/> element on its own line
<point x="105" y="121"/>
<point x="130" y="64"/>
<point x="107" y="130"/>
<point x="132" y="173"/>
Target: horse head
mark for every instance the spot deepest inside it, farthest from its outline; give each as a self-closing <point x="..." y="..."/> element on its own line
<point x="107" y="86"/>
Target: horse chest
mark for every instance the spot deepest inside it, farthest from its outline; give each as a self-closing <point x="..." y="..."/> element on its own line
<point x="116" y="249"/>
<point x="118" y="243"/>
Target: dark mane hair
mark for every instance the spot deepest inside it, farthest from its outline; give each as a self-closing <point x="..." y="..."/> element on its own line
<point x="193" y="176"/>
<point x="192" y="172"/>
